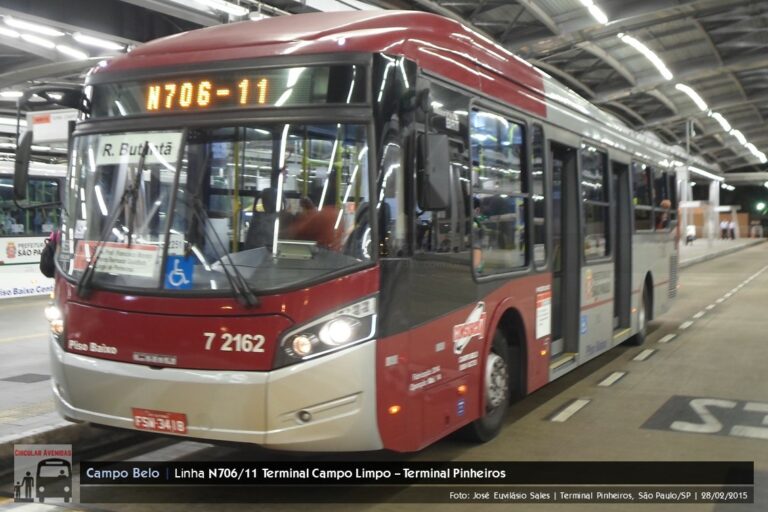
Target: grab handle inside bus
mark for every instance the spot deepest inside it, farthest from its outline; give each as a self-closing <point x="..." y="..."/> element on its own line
<point x="433" y="171"/>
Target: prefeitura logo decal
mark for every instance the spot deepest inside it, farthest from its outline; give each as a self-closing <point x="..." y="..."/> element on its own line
<point x="42" y="472"/>
<point x="472" y="328"/>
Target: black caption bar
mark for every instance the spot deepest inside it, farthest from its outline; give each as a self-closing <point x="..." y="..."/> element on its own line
<point x="411" y="494"/>
<point x="409" y="473"/>
<point x="416" y="482"/>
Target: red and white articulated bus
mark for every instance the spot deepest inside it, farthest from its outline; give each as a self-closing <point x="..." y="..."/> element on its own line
<point x="346" y="231"/>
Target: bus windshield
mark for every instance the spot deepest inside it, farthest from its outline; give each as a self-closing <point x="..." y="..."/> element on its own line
<point x="278" y="205"/>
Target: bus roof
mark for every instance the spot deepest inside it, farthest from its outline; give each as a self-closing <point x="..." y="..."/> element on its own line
<point x="330" y="32"/>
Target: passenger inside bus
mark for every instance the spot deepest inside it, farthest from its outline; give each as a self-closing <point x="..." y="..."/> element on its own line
<point x="261" y="230"/>
<point x="316" y="225"/>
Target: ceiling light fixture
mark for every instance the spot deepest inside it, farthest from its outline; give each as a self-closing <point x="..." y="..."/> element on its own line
<point x="32" y="27"/>
<point x="706" y="174"/>
<point x="9" y="33"/>
<point x="72" y="52"/>
<point x="724" y="124"/>
<point x="227" y="7"/>
<point x="694" y="96"/>
<point x="595" y="11"/>
<point x="97" y="42"/>
<point x="648" y="53"/>
<point x="739" y="136"/>
<point x="39" y="41"/>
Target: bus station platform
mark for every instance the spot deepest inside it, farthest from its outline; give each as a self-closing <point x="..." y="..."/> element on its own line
<point x="705" y="249"/>
<point x="27" y="413"/>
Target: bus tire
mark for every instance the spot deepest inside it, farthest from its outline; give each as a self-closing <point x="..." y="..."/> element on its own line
<point x="496" y="388"/>
<point x="642" y="319"/>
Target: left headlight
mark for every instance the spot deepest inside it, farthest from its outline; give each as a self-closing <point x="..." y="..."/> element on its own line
<point x="348" y="326"/>
<point x="56" y="319"/>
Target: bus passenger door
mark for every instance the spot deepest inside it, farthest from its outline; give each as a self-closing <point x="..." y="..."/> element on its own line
<point x="622" y="234"/>
<point x="566" y="269"/>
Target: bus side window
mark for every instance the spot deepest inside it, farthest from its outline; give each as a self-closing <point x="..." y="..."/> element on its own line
<point x="641" y="199"/>
<point x="662" y="198"/>
<point x="500" y="197"/>
<point x="596" y="201"/>
<point x="539" y="197"/>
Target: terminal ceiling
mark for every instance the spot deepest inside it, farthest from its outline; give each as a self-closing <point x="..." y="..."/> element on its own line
<point x="718" y="48"/>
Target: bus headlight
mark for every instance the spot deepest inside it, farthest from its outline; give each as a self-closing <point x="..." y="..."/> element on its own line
<point x="348" y="326"/>
<point x="56" y="320"/>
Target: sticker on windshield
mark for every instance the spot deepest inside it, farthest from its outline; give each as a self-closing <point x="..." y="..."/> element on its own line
<point x="134" y="260"/>
<point x="126" y="148"/>
<point x="178" y="273"/>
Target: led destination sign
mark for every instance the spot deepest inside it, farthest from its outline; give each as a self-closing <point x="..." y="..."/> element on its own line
<point x="257" y="88"/>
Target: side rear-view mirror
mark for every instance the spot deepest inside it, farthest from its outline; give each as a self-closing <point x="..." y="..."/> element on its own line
<point x="433" y="172"/>
<point x="21" y="166"/>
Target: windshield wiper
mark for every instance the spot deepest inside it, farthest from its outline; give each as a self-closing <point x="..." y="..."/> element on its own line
<point x="130" y="193"/>
<point x="243" y="292"/>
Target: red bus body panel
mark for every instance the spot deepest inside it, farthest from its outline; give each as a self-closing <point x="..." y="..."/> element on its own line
<point x="430" y="409"/>
<point x="176" y="326"/>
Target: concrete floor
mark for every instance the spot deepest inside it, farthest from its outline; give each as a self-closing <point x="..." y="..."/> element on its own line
<point x="719" y="351"/>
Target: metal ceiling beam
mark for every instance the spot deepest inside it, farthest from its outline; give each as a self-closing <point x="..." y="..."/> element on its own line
<point x="608" y="59"/>
<point x="569" y="79"/>
<point x="633" y="17"/>
<point x="541" y="15"/>
<point x="696" y="71"/>
<point x="744" y="178"/>
<point x="20" y="76"/>
<point x="719" y="104"/>
<point x="179" y="11"/>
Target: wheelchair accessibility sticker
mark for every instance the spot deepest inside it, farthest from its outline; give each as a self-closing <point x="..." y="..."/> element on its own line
<point x="178" y="273"/>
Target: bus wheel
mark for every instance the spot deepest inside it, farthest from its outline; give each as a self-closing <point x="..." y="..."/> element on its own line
<point x="642" y="319"/>
<point x="496" y="391"/>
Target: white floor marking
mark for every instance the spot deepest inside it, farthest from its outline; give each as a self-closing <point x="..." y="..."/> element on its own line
<point x="645" y="354"/>
<point x="667" y="338"/>
<point x="699" y="314"/>
<point x="720" y="300"/>
<point x="711" y="307"/>
<point x="685" y="325"/>
<point x="611" y="379"/>
<point x="569" y="411"/>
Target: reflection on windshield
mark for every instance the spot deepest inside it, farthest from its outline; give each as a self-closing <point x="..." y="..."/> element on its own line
<point x="265" y="207"/>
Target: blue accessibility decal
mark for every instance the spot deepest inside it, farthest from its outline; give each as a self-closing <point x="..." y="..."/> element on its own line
<point x="460" y="407"/>
<point x="178" y="273"/>
<point x="583" y="324"/>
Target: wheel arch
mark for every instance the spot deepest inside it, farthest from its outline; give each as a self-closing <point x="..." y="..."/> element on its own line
<point x="509" y="321"/>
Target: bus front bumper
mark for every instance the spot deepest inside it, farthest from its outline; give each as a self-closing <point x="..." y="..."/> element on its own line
<point x="327" y="404"/>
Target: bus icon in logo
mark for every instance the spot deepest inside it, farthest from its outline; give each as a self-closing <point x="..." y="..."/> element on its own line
<point x="42" y="472"/>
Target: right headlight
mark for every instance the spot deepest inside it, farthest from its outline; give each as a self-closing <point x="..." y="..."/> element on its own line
<point x="348" y="326"/>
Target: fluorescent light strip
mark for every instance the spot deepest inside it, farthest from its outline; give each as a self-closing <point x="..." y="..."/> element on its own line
<point x="227" y="7"/>
<point x="724" y="124"/>
<point x="648" y="53"/>
<point x="97" y="42"/>
<point x="595" y="11"/>
<point x="9" y="33"/>
<point x="39" y="41"/>
<point x="11" y="94"/>
<point x="739" y="136"/>
<point x="694" y="96"/>
<point x="72" y="52"/>
<point x="706" y="174"/>
<point x="32" y="27"/>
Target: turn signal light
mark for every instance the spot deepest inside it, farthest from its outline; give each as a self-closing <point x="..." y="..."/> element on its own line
<point x="462" y="389"/>
<point x="394" y="409"/>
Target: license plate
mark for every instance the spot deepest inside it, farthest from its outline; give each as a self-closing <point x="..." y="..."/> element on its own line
<point x="159" y="421"/>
